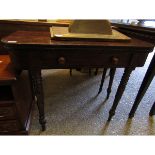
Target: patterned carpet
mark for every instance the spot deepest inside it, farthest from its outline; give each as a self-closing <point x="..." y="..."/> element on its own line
<point x="73" y="108"/>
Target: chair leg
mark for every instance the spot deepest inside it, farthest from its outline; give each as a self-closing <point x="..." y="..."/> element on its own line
<point x="112" y="74"/>
<point x="102" y="80"/>
<point x="152" y="111"/>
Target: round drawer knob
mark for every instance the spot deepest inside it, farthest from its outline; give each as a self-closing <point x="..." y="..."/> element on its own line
<point x="61" y="60"/>
<point x="115" y="60"/>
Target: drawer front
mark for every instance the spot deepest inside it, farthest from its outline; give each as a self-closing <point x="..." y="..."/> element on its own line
<point x="8" y="126"/>
<point x="75" y="57"/>
<point x="7" y="113"/>
<point x="68" y="59"/>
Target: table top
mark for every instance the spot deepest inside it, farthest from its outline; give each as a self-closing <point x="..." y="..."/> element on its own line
<point x="37" y="38"/>
<point x="137" y="27"/>
<point x="142" y="31"/>
<point x="34" y="22"/>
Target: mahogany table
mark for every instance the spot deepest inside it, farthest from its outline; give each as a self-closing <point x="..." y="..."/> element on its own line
<point x="34" y="51"/>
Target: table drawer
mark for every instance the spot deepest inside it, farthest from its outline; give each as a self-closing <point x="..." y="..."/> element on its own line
<point x="7" y="113"/>
<point x="71" y="59"/>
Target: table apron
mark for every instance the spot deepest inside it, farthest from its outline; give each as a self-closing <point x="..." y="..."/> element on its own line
<point x="72" y="59"/>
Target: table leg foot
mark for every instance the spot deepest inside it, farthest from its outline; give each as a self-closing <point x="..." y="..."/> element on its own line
<point x="152" y="111"/>
<point x="43" y="124"/>
<point x="111" y="114"/>
<point x="131" y="115"/>
<point x="120" y="90"/>
<point x="38" y="92"/>
<point x="133" y="110"/>
<point x="108" y="96"/>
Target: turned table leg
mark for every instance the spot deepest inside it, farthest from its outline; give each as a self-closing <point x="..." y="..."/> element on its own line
<point x="112" y="74"/>
<point x="144" y="86"/>
<point x="38" y="91"/>
<point x="102" y="80"/>
<point x="120" y="91"/>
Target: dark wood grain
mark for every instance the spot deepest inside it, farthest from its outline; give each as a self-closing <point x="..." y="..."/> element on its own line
<point x="15" y="99"/>
<point x="15" y="106"/>
<point x="7" y="74"/>
<point x="9" y="26"/>
<point x="38" y="23"/>
<point x="39" y="38"/>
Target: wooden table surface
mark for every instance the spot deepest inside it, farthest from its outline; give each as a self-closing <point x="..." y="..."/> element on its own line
<point x="43" y="38"/>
